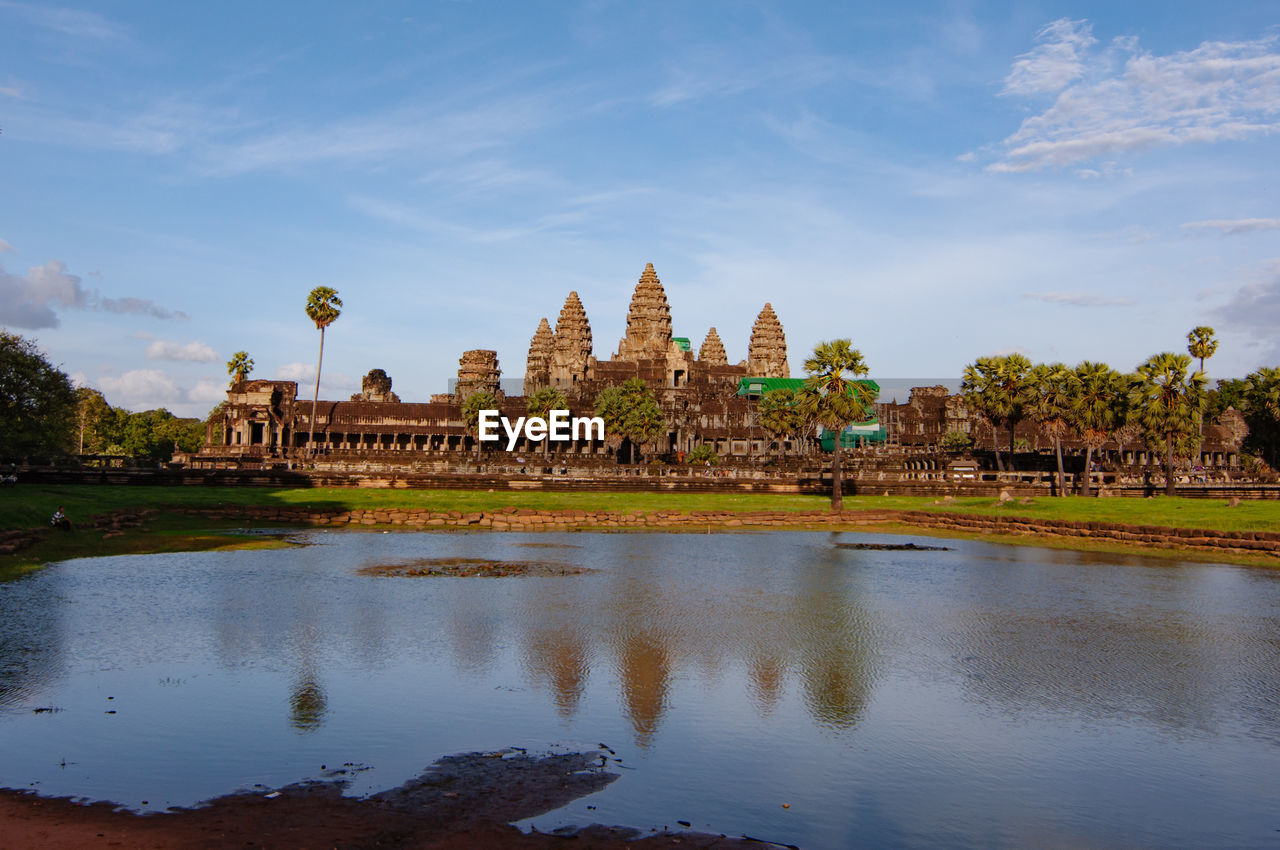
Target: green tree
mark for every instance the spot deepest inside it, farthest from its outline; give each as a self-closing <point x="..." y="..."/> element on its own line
<point x="630" y="412"/>
<point x="1167" y="402"/>
<point x="1048" y="400"/>
<point x="702" y="455"/>
<point x="541" y="404"/>
<point x="471" y="407"/>
<point x="780" y="414"/>
<point x="1098" y="408"/>
<point x="1262" y="411"/>
<point x="955" y="441"/>
<point x="239" y="367"/>
<point x="833" y="397"/>
<point x="91" y="410"/>
<point x="1228" y="393"/>
<point x="996" y="388"/>
<point x="323" y="308"/>
<point x="37" y="402"/>
<point x="1201" y="344"/>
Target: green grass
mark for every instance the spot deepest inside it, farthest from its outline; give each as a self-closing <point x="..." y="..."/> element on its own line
<point x="30" y="506"/>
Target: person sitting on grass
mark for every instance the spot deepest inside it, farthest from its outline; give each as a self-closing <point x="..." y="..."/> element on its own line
<point x="60" y="520"/>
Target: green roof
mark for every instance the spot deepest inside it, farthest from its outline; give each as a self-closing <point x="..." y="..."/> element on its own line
<point x="759" y="386"/>
<point x="682" y="342"/>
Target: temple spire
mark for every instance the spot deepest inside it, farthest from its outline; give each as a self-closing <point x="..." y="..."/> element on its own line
<point x="571" y="345"/>
<point x="648" y="321"/>
<point x="767" y="352"/>
<point x="537" y="370"/>
<point x="712" y="352"/>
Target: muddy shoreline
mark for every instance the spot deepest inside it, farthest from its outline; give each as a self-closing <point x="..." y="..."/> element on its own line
<point x="461" y="801"/>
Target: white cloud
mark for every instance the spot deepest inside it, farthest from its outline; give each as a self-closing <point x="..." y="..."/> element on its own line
<point x="1219" y="91"/>
<point x="1255" y="310"/>
<point x="71" y="22"/>
<point x="28" y="301"/>
<point x="1233" y="227"/>
<point x="5" y="247"/>
<point x="208" y="392"/>
<point x="192" y="352"/>
<point x="140" y="389"/>
<point x="1056" y="62"/>
<point x="1077" y="299"/>
<point x="331" y="383"/>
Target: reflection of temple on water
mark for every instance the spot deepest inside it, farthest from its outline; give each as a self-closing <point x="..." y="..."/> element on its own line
<point x="307" y="703"/>
<point x="31" y="636"/>
<point x="558" y="658"/>
<point x="644" y="667"/>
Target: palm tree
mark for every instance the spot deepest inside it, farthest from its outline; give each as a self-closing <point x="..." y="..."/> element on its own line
<point x="630" y="411"/>
<point x="996" y="387"/>
<point x="1097" y="408"/>
<point x="239" y="367"/>
<point x="471" y="407"/>
<point x="1168" y="402"/>
<point x="541" y="404"/>
<point x="1262" y="406"/>
<point x="1048" y="400"/>
<point x="832" y="397"/>
<point x="779" y="414"/>
<point x="323" y="308"/>
<point x="1201" y="344"/>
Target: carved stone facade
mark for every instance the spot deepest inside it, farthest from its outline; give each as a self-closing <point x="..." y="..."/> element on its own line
<point x="376" y="386"/>
<point x="477" y="372"/>
<point x="712" y="352"/>
<point x="648" y="321"/>
<point x="767" y="353"/>
<point x="537" y="373"/>
<point x="571" y="359"/>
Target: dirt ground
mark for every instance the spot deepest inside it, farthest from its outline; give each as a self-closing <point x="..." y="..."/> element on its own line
<point x="464" y="801"/>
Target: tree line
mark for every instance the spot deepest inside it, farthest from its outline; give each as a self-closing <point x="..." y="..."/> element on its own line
<point x="42" y="414"/>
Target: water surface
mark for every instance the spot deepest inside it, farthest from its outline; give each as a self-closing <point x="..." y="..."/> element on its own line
<point x="984" y="696"/>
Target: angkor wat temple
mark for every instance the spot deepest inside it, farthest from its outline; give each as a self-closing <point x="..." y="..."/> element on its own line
<point x="705" y="400"/>
<point x="703" y="397"/>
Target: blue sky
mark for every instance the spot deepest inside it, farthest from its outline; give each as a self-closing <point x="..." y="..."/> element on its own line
<point x="935" y="181"/>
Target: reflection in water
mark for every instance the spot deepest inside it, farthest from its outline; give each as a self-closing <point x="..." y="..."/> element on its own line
<point x="765" y="659"/>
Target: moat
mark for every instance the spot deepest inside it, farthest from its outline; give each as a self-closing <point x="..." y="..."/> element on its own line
<point x="971" y="696"/>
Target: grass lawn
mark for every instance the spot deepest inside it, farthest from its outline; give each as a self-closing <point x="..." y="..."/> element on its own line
<point x="30" y="506"/>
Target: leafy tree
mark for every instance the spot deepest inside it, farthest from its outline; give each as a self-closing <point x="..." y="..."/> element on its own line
<point x="833" y="397"/>
<point x="1099" y="407"/>
<point x="955" y="441"/>
<point x="1167" y="403"/>
<point x="1262" y="409"/>
<point x="631" y="412"/>
<point x="91" y="411"/>
<point x="323" y="308"/>
<point x="780" y="413"/>
<point x="471" y="407"/>
<point x="996" y="388"/>
<point x="37" y="402"/>
<point x="1228" y="393"/>
<point x="1048" y="401"/>
<point x="541" y="404"/>
<point x="702" y="455"/>
<point x="240" y="365"/>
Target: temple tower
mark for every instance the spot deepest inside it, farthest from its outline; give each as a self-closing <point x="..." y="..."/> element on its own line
<point x="648" y="321"/>
<point x="767" y="352"/>
<point x="712" y="352"/>
<point x="571" y="345"/>
<point x="537" y="370"/>
<point x="477" y="370"/>
<point x="376" y="386"/>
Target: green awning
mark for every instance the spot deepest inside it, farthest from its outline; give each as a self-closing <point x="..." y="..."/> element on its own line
<point x="760" y="386"/>
<point x="682" y="342"/>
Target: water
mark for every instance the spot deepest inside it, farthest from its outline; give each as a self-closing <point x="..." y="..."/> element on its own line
<point x="984" y="696"/>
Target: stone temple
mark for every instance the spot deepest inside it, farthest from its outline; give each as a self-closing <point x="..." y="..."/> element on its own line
<point x="704" y="397"/>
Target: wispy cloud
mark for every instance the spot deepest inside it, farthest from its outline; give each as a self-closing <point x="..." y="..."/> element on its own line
<point x="69" y="22"/>
<point x="5" y="247"/>
<point x="715" y="74"/>
<point x="29" y="301"/>
<point x="1233" y="227"/>
<point x="406" y="216"/>
<point x="1077" y="299"/>
<point x="190" y="352"/>
<point x="140" y="388"/>
<point x="1057" y="60"/>
<point x="1217" y="92"/>
<point x="1254" y="309"/>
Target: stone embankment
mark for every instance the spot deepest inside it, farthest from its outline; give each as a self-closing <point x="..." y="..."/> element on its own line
<point x="528" y="519"/>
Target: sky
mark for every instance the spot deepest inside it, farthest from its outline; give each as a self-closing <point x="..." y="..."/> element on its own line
<point x="935" y="181"/>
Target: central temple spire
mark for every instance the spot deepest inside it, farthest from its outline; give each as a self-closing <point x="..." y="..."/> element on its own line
<point x="648" y="321"/>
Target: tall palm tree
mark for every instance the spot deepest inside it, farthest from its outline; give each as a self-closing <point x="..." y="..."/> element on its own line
<point x="1201" y="344"/>
<point x="1168" y="403"/>
<point x="239" y="367"/>
<point x="1050" y="391"/>
<point x="778" y="413"/>
<point x="997" y="387"/>
<point x="1262" y="406"/>
<point x="541" y="404"/>
<point x="1097" y="408"/>
<point x="833" y="398"/>
<point x="323" y="308"/>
